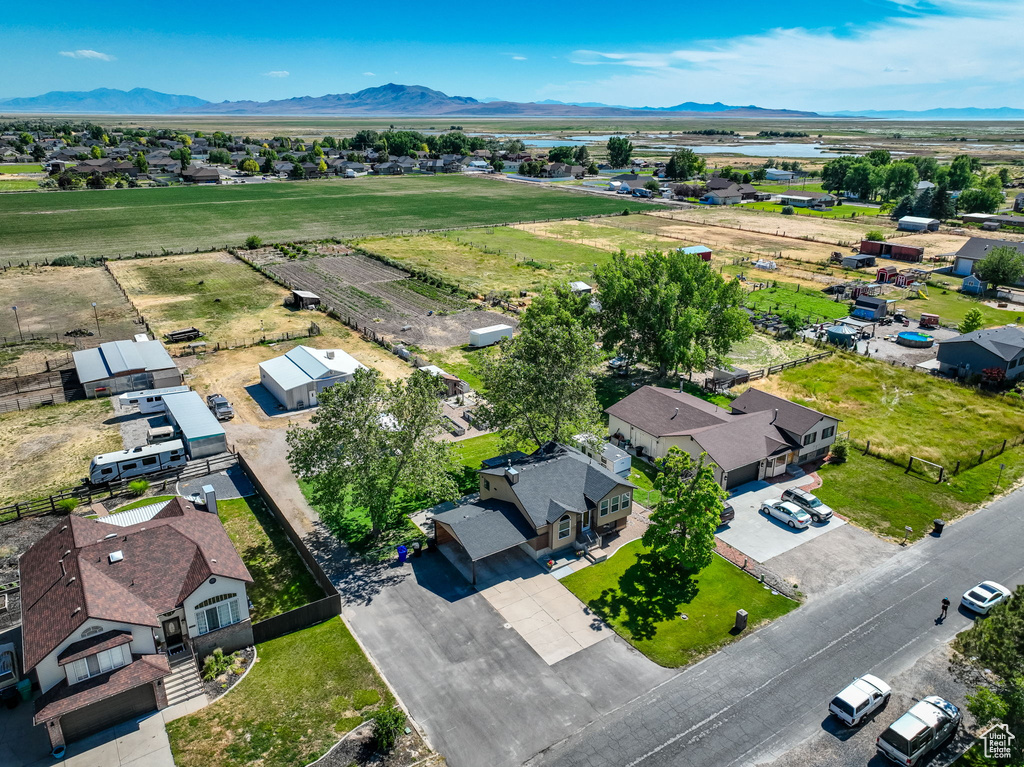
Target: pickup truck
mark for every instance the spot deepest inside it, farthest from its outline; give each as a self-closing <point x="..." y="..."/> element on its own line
<point x="220" y="407"/>
<point x="925" y="727"/>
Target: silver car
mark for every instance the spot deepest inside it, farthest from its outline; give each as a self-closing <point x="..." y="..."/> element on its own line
<point x="819" y="511"/>
<point x="787" y="512"/>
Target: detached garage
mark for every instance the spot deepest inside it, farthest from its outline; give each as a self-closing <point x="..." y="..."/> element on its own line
<point x="200" y="430"/>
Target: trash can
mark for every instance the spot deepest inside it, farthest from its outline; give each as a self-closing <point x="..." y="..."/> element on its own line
<point x="416" y="547"/>
<point x="25" y="689"/>
<point x="939" y="524"/>
<point x="403" y="554"/>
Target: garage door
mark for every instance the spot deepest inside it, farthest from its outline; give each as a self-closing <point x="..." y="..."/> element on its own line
<point x="741" y="476"/>
<point x="107" y="713"/>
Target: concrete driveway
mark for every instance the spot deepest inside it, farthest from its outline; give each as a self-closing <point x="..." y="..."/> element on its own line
<point x="761" y="537"/>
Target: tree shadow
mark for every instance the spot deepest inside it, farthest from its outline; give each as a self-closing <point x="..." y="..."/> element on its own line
<point x="649" y="592"/>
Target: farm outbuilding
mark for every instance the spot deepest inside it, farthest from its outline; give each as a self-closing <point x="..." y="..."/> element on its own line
<point x="909" y="253"/>
<point x="453" y="384"/>
<point x="489" y="335"/>
<point x="297" y="377"/>
<point x="973" y="285"/>
<point x="918" y="224"/>
<point x="200" y="431"/>
<point x="116" y="367"/>
<point x="697" y="250"/>
<point x="859" y="261"/>
<point x="303" y="299"/>
<point x="841" y="335"/>
<point x="870" y="308"/>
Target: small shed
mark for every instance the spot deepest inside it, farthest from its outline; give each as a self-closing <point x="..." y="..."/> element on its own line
<point x="859" y="261"/>
<point x="579" y="287"/>
<point x="870" y="308"/>
<point x="200" y="430"/>
<point x="917" y="224"/>
<point x="697" y="250"/>
<point x="886" y="274"/>
<point x="973" y="285"/>
<point x="303" y="299"/>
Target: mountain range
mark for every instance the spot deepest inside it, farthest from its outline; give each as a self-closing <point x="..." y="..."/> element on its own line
<point x="390" y="99"/>
<point x="965" y="113"/>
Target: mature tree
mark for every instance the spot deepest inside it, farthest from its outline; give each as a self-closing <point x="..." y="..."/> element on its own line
<point x="926" y="166"/>
<point x="322" y="166"/>
<point x="268" y="165"/>
<point x="904" y="207"/>
<point x="670" y="310"/>
<point x="876" y="235"/>
<point x="901" y="179"/>
<point x="592" y="169"/>
<point x="563" y="154"/>
<point x="39" y="152"/>
<point x="861" y="180"/>
<point x="923" y="203"/>
<point x="582" y="155"/>
<point x="973" y="320"/>
<point x="980" y="200"/>
<point x="141" y="163"/>
<point x="834" y="172"/>
<point x="683" y="525"/>
<point x="961" y="172"/>
<point x="684" y="164"/>
<point x="760" y="174"/>
<point x="620" y="151"/>
<point x="514" y="146"/>
<point x="249" y="165"/>
<point x="68" y="180"/>
<point x="297" y="171"/>
<point x="943" y="206"/>
<point x="364" y="139"/>
<point x="498" y="164"/>
<point x="221" y="156"/>
<point x="97" y="152"/>
<point x="652" y="186"/>
<point x="878" y="157"/>
<point x="1004" y="177"/>
<point x="1002" y="266"/>
<point x="539" y="388"/>
<point x="370" y="439"/>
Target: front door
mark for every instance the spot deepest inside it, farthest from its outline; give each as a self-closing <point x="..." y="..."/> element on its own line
<point x="585" y="525"/>
<point x="172" y="634"/>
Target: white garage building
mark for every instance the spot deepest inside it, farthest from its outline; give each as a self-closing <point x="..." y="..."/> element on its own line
<point x="297" y="378"/>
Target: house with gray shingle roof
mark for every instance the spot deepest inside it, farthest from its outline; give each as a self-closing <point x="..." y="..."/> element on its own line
<point x="759" y="437"/>
<point x="552" y="500"/>
<point x="971" y="353"/>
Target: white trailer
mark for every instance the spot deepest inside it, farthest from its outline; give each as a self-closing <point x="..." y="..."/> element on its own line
<point x="137" y="462"/>
<point x="489" y="335"/>
<point x="150" y="400"/>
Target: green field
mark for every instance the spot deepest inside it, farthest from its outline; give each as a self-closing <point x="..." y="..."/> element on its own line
<point x="21" y="167"/>
<point x="841" y="211"/>
<point x="809" y="303"/>
<point x="18" y="185"/>
<point x="126" y="221"/>
<point x="952" y="306"/>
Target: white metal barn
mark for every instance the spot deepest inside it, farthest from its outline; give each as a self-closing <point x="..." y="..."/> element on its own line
<point x="199" y="429"/>
<point x="124" y="366"/>
<point x="297" y="378"/>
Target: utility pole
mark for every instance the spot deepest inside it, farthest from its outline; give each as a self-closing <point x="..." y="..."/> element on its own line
<point x="96" y="315"/>
<point x="17" y="320"/>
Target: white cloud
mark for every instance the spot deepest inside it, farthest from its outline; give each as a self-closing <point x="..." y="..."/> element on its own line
<point x="519" y="58"/>
<point x="369" y="74"/>
<point x="902" y="62"/>
<point x="85" y="53"/>
<point x="277" y="73"/>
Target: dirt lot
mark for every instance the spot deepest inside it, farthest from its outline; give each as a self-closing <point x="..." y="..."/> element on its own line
<point x="824" y="229"/>
<point x="228" y="300"/>
<point x="49" y="448"/>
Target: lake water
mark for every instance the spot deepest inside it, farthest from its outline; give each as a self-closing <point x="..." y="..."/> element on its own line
<point x="758" y="150"/>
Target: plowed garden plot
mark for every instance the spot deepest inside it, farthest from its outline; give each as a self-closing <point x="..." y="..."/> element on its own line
<point x="384" y="300"/>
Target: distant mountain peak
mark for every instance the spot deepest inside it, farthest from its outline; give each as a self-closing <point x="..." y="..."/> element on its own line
<point x="103" y="101"/>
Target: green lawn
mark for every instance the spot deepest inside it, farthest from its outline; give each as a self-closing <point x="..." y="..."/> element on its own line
<point x="119" y="222"/>
<point x="952" y="306"/>
<point x="883" y="498"/>
<point x="808" y="302"/>
<point x="21" y="167"/>
<point x="642" y="474"/>
<point x="901" y="411"/>
<point x="760" y="350"/>
<point x="142" y="502"/>
<point x="307" y="690"/>
<point x="642" y="600"/>
<point x="19" y="185"/>
<point x="281" y="581"/>
<point x="840" y="211"/>
<point x="470" y="452"/>
<point x="779" y="188"/>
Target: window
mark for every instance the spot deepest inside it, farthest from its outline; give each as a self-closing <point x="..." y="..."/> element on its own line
<point x="809" y="438"/>
<point x="564" y="527"/>
<point x="105" y="471"/>
<point x="828" y="431"/>
<point x="216" y="613"/>
<point x="100" y="663"/>
<point x="127" y="466"/>
<point x="487" y="485"/>
<point x="149" y="461"/>
<point x="625" y="501"/>
<point x="604" y="508"/>
<point x="615" y="503"/>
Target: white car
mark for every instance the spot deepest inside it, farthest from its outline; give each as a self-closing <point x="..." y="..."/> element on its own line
<point x="787" y="512"/>
<point x="983" y="597"/>
<point x="857" y="701"/>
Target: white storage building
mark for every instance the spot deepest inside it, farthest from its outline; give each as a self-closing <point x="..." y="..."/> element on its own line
<point x="489" y="335"/>
<point x="200" y="431"/>
<point x="297" y="378"/>
<point x="115" y="367"/>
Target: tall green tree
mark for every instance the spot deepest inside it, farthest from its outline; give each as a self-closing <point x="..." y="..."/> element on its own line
<point x="833" y="174"/>
<point x="973" y="320"/>
<point x="582" y="155"/>
<point x="249" y="165"/>
<point x="878" y="157"/>
<point x="540" y="387"/>
<point x="901" y="179"/>
<point x="903" y="208"/>
<point x="861" y="180"/>
<point x="683" y="525"/>
<point x="1002" y="266"/>
<point x="961" y="173"/>
<point x="370" y="439"/>
<point x="563" y="154"/>
<point x="141" y="163"/>
<point x="923" y="203"/>
<point x="980" y="200"/>
<point x="670" y="310"/>
<point x="943" y="206"/>
<point x="684" y="164"/>
<point x="620" y="151"/>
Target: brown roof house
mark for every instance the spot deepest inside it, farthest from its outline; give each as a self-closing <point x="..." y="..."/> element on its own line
<point x="759" y="437"/>
<point x="551" y="501"/>
<point x="108" y="605"/>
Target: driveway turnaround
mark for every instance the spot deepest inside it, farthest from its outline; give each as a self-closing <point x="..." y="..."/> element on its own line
<point x="481" y="692"/>
<point x="760" y="697"/>
<point x="138" y="742"/>
<point x="761" y="537"/>
<point x="546" y="614"/>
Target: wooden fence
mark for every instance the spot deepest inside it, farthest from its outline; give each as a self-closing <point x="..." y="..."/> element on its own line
<point x="307" y="615"/>
<point x="711" y="385"/>
<point x="30" y="401"/>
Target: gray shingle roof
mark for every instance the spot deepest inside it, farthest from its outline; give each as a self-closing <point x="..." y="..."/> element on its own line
<point x="742" y="441"/>
<point x="977" y="248"/>
<point x="1006" y="343"/>
<point x="653" y="410"/>
<point x="487" y="527"/>
<point x="794" y="418"/>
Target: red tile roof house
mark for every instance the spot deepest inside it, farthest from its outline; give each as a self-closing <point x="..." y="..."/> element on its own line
<point x="103" y="604"/>
<point x="760" y="437"/>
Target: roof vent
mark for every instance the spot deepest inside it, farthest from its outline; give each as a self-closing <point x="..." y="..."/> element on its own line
<point x="512" y="475"/>
<point x="108" y="537"/>
<point x="66" y="553"/>
<point x="674" y="414"/>
<point x="115" y="556"/>
<point x="330" y="354"/>
<point x="64" y="528"/>
<point x="76" y="611"/>
<point x="71" y="580"/>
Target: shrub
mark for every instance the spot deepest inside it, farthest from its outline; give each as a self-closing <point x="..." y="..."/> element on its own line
<point x="138" y="487"/>
<point x="252" y="242"/>
<point x="875" y="234"/>
<point x="840" y="450"/>
<point x="788" y="211"/>
<point x="217" y="663"/>
<point x="390" y="723"/>
<point x="67" y="505"/>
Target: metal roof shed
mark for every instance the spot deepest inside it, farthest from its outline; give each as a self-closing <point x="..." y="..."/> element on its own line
<point x="200" y="430"/>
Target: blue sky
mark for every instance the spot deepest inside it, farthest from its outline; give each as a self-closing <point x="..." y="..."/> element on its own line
<point x="858" y="54"/>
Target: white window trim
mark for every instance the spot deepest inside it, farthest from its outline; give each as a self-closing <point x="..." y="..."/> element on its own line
<point x="604" y="508"/>
<point x="626" y="502"/>
<point x="615" y="504"/>
<point x="228" y="613"/>
<point x="568" y="527"/>
<point x="106" y="660"/>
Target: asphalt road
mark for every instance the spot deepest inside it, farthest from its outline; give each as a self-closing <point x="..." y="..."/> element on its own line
<point x="761" y="697"/>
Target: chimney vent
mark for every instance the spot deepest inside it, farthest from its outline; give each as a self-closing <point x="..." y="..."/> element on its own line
<point x="674" y="414"/>
<point x="512" y="475"/>
<point x="330" y="355"/>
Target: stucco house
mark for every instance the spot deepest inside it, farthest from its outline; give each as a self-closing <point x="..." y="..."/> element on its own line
<point x="971" y="353"/>
<point x="107" y="605"/>
<point x="552" y="500"/>
<point x="759" y="437"/>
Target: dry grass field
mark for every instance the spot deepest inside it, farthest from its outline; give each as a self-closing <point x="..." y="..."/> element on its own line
<point x="49" y="448"/>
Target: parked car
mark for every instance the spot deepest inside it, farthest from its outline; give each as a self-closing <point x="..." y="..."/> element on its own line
<point x="618" y="362"/>
<point x="925" y="727"/>
<point x="220" y="407"/>
<point x="728" y="514"/>
<point x="983" y="597"/>
<point x="819" y="511"/>
<point x="859" y="700"/>
<point x="787" y="512"/>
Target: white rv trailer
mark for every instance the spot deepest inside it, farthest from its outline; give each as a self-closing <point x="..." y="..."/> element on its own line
<point x="137" y="462"/>
<point x="150" y="400"/>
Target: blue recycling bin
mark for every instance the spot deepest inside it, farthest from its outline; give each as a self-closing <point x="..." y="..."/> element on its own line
<point x="403" y="554"/>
